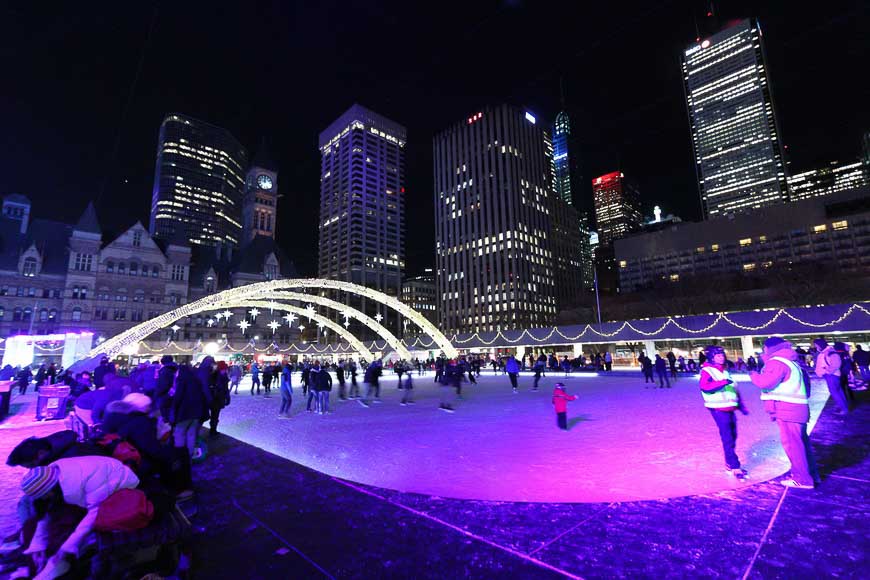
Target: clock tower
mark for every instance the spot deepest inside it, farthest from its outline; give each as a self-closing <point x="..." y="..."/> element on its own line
<point x="261" y="198"/>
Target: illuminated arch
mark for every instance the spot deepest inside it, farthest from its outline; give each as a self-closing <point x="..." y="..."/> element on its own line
<point x="270" y="291"/>
<point x="370" y="322"/>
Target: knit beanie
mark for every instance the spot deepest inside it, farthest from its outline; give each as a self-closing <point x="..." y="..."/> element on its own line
<point x="774" y="341"/>
<point x="39" y="481"/>
<point x="138" y="401"/>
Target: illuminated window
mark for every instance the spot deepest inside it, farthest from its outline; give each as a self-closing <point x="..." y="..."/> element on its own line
<point x="700" y="249"/>
<point x="842" y="225"/>
<point x="766" y="264"/>
<point x="714" y="247"/>
<point x="745" y="241"/>
<point x="675" y="277"/>
<point x="820" y="229"/>
<point x="29" y="269"/>
<point x="748" y="267"/>
<point x="623" y="264"/>
<point x="762" y="239"/>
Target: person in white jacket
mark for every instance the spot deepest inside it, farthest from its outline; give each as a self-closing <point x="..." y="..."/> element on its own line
<point x="81" y="481"/>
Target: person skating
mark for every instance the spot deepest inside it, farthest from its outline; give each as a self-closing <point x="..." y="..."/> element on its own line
<point x="235" y="378"/>
<point x="785" y="391"/>
<point x="722" y="400"/>
<point x="560" y="404"/>
<point x="662" y="371"/>
<point x="286" y="391"/>
<point x="451" y="380"/>
<point x="313" y="387"/>
<point x="828" y="367"/>
<point x="512" y="366"/>
<point x="321" y="386"/>
<point x="342" y="388"/>
<point x="267" y="381"/>
<point x="646" y="367"/>
<point x="408" y="397"/>
<point x="354" y="386"/>
<point x="255" y="378"/>
<point x="373" y="387"/>
<point x="539" y="367"/>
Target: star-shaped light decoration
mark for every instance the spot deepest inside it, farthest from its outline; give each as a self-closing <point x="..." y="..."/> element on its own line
<point x="218" y="315"/>
<point x="175" y="328"/>
<point x="210" y="322"/>
<point x="319" y="324"/>
<point x="227" y="314"/>
<point x="254" y="313"/>
<point x="348" y="314"/>
<point x="272" y="306"/>
<point x="289" y="317"/>
<point x="244" y="324"/>
<point x="346" y="323"/>
<point x="301" y="328"/>
<point x="309" y="311"/>
<point x="274" y="325"/>
<point x="379" y="317"/>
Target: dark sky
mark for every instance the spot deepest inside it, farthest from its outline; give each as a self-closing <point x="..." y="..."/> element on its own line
<point x="86" y="86"/>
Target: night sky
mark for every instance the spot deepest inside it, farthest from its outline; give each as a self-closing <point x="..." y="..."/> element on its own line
<point x="87" y="84"/>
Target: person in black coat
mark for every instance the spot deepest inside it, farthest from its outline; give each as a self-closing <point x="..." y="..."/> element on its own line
<point x="132" y="420"/>
<point x="321" y="385"/>
<point x="190" y="408"/>
<point x="165" y="380"/>
<point x="220" y="395"/>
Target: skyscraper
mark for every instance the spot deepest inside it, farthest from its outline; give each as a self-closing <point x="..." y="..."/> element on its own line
<point x="736" y="139"/>
<point x="362" y="205"/>
<point x="198" y="183"/>
<point x="617" y="206"/>
<point x="563" y="163"/>
<point x="506" y="245"/>
<point x="829" y="179"/>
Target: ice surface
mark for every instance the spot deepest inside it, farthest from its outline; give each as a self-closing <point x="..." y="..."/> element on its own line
<point x="625" y="442"/>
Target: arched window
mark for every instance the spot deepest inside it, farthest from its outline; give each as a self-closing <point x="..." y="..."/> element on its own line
<point x="209" y="284"/>
<point x="134" y="269"/>
<point x="110" y="266"/>
<point x="83" y="293"/>
<point x="43" y="315"/>
<point x="76" y="314"/>
<point x="16" y="314"/>
<point x="28" y="313"/>
<point x="144" y="271"/>
<point x="2" y="312"/>
<point x="122" y="268"/>
<point x="52" y="315"/>
<point x="155" y="272"/>
<point x="29" y="268"/>
<point x="75" y="292"/>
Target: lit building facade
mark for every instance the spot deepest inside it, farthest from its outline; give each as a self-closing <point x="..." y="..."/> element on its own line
<point x="617" y="206"/>
<point x="260" y="207"/>
<point x="362" y="206"/>
<point x="826" y="180"/>
<point x="506" y="245"/>
<point x="198" y="184"/>
<point x="830" y="229"/>
<point x="736" y="140"/>
<point x="421" y="294"/>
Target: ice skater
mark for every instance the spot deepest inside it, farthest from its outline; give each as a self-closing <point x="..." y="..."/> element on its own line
<point x="286" y="391"/>
<point x="539" y="367"/>
<point x="354" y="386"/>
<point x="408" y="397"/>
<point x="662" y="371"/>
<point x="451" y="381"/>
<point x="560" y="403"/>
<point x="512" y="366"/>
<point x="255" y="378"/>
<point x="722" y="400"/>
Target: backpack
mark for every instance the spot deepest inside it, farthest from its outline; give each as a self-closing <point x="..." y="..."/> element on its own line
<point x="124" y="511"/>
<point x="122" y="450"/>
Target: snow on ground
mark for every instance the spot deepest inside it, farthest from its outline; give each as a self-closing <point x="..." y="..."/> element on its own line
<point x="625" y="442"/>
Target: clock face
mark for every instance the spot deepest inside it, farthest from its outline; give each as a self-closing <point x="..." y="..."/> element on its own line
<point x="264" y="181"/>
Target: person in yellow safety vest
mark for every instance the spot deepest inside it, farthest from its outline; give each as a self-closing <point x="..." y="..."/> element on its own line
<point x="722" y="400"/>
<point x="785" y="392"/>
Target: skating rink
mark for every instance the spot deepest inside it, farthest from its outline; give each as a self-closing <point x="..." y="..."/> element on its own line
<point x="625" y="442"/>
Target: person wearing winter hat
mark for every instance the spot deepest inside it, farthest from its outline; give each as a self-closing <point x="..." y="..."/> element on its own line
<point x="828" y="363"/>
<point x="785" y="392"/>
<point x="722" y="400"/>
<point x="560" y="403"/>
<point x="85" y="482"/>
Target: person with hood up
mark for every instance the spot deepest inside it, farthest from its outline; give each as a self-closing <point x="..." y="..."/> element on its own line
<point x="190" y="406"/>
<point x="722" y="400"/>
<point x="828" y="364"/>
<point x="785" y="392"/>
<point x="560" y="403"/>
<point x="131" y="418"/>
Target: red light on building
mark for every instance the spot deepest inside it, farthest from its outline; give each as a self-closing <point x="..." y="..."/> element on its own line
<point x="607" y="177"/>
<point x="402" y="189"/>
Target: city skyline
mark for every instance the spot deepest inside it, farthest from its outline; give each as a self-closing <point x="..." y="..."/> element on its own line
<point x="643" y="129"/>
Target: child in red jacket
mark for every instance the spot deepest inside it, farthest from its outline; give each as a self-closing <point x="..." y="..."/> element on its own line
<point x="560" y="401"/>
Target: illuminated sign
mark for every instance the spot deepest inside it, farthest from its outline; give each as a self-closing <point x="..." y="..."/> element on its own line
<point x="474" y="118"/>
<point x="530" y="118"/>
